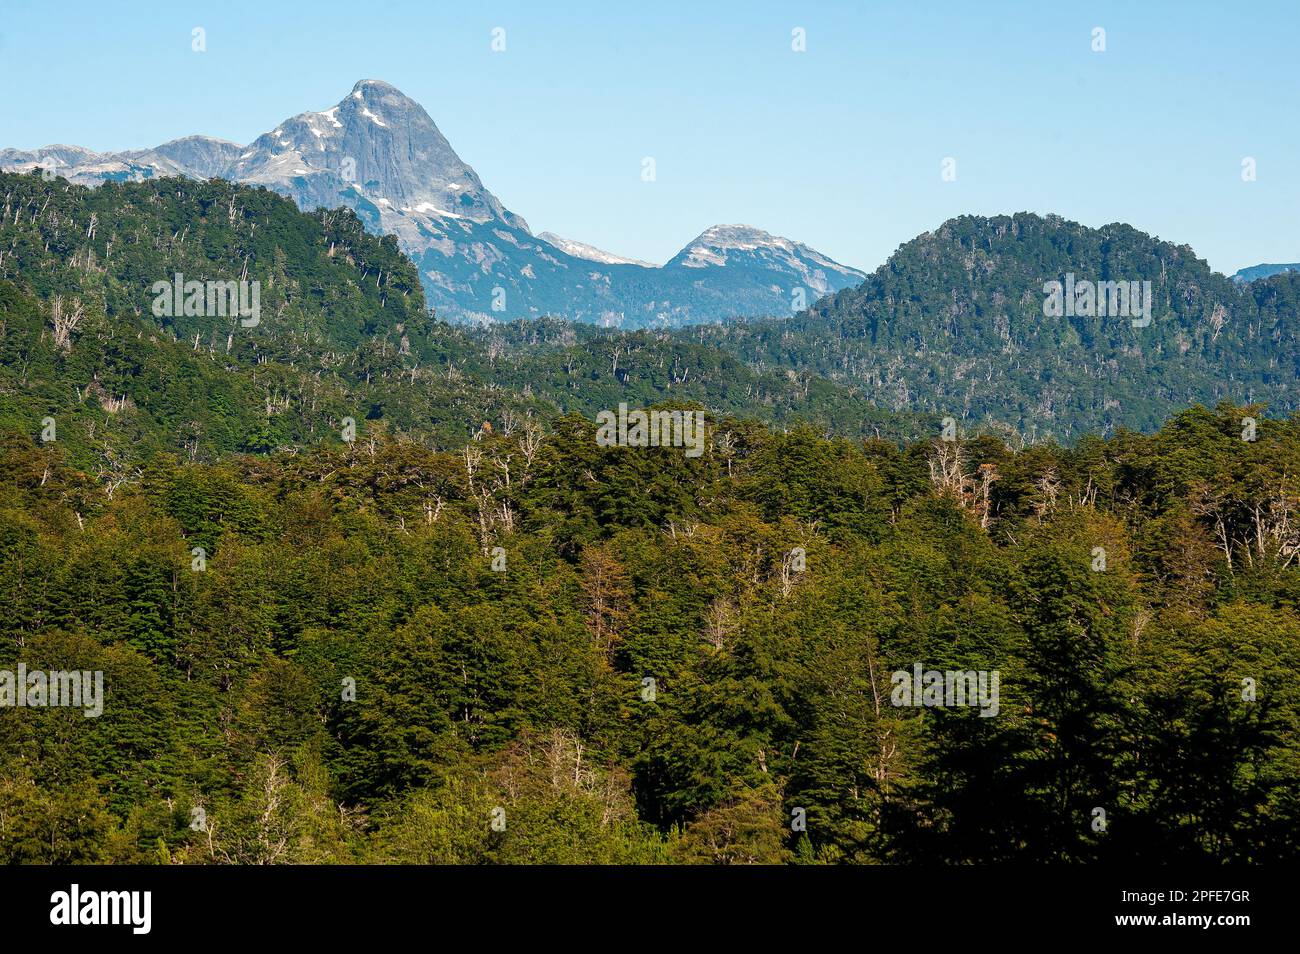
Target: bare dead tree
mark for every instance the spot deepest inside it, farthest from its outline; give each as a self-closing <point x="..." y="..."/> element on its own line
<point x="65" y="318"/>
<point x="530" y="443"/>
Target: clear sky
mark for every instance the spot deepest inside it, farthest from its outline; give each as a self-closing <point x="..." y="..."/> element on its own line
<point x="840" y="146"/>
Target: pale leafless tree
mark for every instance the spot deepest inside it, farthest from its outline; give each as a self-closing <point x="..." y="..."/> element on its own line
<point x="65" y="319"/>
<point x="530" y="443"/>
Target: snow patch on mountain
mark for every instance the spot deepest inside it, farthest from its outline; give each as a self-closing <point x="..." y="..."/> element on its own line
<point x="743" y="245"/>
<point x="589" y="252"/>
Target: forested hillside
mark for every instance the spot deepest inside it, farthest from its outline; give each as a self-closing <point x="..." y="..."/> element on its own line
<point x="342" y="320"/>
<point x="954" y="324"/>
<point x="645" y="671"/>
<point x="469" y="632"/>
<point x="344" y="332"/>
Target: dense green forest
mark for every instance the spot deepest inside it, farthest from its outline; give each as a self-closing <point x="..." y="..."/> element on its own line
<point x="344" y="333"/>
<point x="953" y="324"/>
<point x="501" y="709"/>
<point x="471" y="633"/>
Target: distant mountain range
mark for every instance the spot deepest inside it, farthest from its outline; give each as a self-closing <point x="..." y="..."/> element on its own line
<point x="1263" y="271"/>
<point x="379" y="153"/>
<point x="955" y="323"/>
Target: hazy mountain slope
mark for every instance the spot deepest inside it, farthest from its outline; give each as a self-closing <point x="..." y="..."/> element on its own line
<point x="1263" y="271"/>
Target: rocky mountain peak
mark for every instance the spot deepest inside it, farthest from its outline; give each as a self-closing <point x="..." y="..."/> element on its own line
<point x="376" y="146"/>
<point x="744" y="245"/>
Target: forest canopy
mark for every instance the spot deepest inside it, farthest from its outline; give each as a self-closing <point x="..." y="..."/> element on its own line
<point x="537" y="649"/>
<point x="360" y="586"/>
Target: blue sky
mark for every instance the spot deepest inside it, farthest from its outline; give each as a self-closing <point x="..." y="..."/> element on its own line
<point x="839" y="146"/>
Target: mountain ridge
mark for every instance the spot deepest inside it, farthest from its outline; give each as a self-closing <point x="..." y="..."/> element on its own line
<point x="954" y="323"/>
<point x="1263" y="271"/>
<point x="379" y="153"/>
